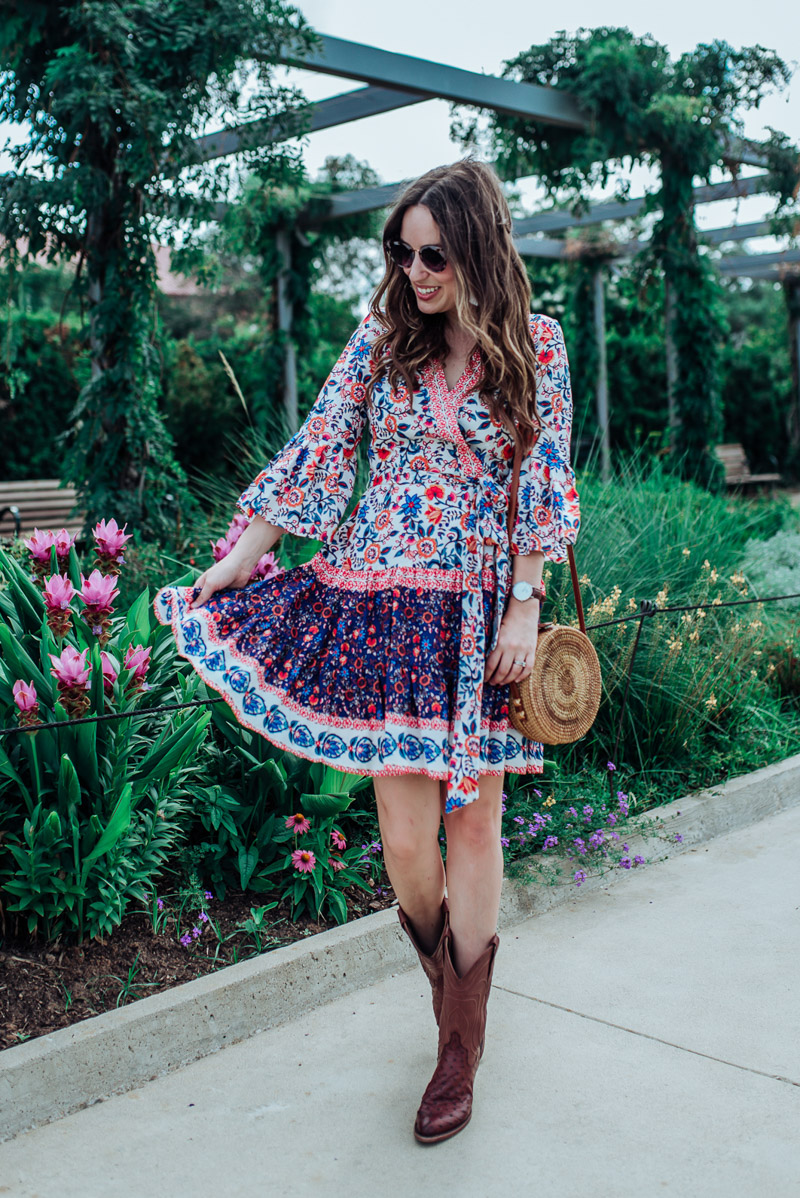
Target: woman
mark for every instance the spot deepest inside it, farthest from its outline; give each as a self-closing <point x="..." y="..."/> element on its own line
<point x="391" y="652"/>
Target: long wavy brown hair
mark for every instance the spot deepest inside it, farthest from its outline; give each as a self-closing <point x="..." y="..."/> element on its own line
<point x="469" y="207"/>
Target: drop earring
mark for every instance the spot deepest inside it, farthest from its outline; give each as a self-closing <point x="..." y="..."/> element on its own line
<point x="472" y="300"/>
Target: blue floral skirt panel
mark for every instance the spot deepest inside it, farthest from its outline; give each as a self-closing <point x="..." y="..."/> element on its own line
<point x="364" y="681"/>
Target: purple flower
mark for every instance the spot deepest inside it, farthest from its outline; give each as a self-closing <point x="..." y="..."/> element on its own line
<point x="550" y="842"/>
<point x="625" y="847"/>
<point x="376" y="847"/>
<point x="611" y="767"/>
<point x="597" y="838"/>
<point x="615" y="835"/>
<point x="203" y="917"/>
<point x="195" y="933"/>
<point x="638" y="860"/>
<point x="207" y="894"/>
<point x="538" y="793"/>
<point x="580" y="876"/>
<point x="588" y="811"/>
<point x="611" y="818"/>
<point x="572" y="811"/>
<point x="580" y="845"/>
<point x="504" y="841"/>
<point x="518" y="819"/>
<point x="625" y="862"/>
<point x="186" y="939"/>
<point x="679" y="838"/>
<point x="160" y="904"/>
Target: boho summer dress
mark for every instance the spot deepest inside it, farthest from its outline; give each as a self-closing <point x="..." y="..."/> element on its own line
<point x="370" y="657"/>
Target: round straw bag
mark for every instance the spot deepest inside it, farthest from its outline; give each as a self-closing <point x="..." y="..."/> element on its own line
<point x="559" y="699"/>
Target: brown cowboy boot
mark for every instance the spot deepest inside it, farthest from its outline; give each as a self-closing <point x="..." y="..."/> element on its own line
<point x="446" y="1105"/>
<point x="432" y="964"/>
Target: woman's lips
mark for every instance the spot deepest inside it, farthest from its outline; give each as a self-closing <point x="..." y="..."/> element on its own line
<point x="427" y="294"/>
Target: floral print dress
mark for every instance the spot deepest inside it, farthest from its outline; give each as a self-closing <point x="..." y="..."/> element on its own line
<point x="370" y="657"/>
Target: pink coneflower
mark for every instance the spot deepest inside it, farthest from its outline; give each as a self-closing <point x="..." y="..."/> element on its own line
<point x="338" y="841"/>
<point x="137" y="658"/>
<point x="72" y="673"/>
<point x="110" y="672"/>
<point x="27" y="702"/>
<point x="336" y="863"/>
<point x="110" y="539"/>
<point x="299" y="823"/>
<point x="303" y="861"/>
<point x="58" y="593"/>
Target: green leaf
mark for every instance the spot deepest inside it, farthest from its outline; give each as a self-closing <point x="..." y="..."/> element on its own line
<point x="137" y="623"/>
<point x="248" y="860"/>
<point x="24" y="665"/>
<point x="115" y="829"/>
<point x="325" y="805"/>
<point x="337" y="906"/>
<point x="69" y="787"/>
<point x="172" y="751"/>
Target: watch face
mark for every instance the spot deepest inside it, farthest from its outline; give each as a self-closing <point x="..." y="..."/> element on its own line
<point x="522" y="590"/>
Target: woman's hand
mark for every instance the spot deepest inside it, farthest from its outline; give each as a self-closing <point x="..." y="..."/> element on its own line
<point x="516" y="641"/>
<point x="231" y="571"/>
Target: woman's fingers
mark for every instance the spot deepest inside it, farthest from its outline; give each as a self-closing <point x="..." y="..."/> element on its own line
<point x="205" y="592"/>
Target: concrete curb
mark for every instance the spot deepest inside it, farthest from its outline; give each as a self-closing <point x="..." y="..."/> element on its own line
<point x="54" y="1075"/>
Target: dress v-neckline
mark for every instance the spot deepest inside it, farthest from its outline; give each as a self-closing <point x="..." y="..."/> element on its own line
<point x="466" y="375"/>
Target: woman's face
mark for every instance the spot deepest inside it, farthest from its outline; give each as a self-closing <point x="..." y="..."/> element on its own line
<point x="434" y="291"/>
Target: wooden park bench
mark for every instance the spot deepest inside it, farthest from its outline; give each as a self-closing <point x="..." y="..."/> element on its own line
<point x="37" y="503"/>
<point x="737" y="469"/>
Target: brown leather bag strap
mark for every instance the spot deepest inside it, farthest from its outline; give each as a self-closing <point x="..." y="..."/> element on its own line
<point x="512" y="519"/>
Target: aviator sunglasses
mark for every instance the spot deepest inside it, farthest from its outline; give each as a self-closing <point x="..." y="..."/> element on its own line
<point x="430" y="256"/>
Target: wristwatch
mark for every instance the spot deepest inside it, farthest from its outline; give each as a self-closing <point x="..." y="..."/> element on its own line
<point x="526" y="590"/>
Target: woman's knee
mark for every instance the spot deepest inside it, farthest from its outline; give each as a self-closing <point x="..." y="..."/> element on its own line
<point x="409" y="818"/>
<point x="476" y="827"/>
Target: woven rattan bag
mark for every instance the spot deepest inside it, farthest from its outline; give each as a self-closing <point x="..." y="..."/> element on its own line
<point x="559" y="699"/>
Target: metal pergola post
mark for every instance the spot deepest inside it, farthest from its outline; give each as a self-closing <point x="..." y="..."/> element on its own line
<point x="599" y="296"/>
<point x="284" y="247"/>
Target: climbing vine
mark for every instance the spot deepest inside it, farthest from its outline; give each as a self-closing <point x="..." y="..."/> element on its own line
<point x="677" y="116"/>
<point x="111" y="97"/>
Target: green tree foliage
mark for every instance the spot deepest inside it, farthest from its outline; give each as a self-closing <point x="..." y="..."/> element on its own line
<point x="677" y="116"/>
<point x="112" y="96"/>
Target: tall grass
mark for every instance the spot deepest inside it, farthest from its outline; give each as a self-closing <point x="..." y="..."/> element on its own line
<point x="706" y="696"/>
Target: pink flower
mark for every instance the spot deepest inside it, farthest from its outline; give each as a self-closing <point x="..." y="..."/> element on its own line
<point x="63" y="543"/>
<point x="303" y="861"/>
<point x="110" y="538"/>
<point x="40" y="545"/>
<point x="299" y="823"/>
<point x="336" y="863"/>
<point x="25" y="696"/>
<point x="222" y="547"/>
<point x="267" y="567"/>
<point x="58" y="592"/>
<point x="98" y="593"/>
<point x="338" y="841"/>
<point x="110" y="672"/>
<point x="70" y="668"/>
<point x="137" y="658"/>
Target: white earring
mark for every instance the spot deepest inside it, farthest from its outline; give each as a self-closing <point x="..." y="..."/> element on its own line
<point x="472" y="300"/>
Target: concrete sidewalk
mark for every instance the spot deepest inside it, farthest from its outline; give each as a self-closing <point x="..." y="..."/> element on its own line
<point x="644" y="1039"/>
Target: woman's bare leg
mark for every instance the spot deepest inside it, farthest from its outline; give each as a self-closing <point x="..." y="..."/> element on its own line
<point x="474" y="871"/>
<point x="410" y="814"/>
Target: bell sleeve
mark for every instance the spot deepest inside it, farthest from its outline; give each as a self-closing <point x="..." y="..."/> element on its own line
<point x="548" y="514"/>
<point x="306" y="487"/>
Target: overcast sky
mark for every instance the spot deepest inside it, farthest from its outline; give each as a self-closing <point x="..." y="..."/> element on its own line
<point x="479" y="34"/>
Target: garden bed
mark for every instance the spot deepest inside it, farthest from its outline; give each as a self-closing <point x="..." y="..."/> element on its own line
<point x="44" y="987"/>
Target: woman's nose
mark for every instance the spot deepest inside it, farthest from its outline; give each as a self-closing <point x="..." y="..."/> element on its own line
<point x="417" y="272"/>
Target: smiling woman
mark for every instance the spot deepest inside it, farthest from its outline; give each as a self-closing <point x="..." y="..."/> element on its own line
<point x="390" y="653"/>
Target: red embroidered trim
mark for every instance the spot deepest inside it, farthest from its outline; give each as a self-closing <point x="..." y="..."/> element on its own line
<point x="430" y="578"/>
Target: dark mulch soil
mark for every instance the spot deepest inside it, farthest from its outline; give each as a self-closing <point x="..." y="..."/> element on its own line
<point x="44" y="987"/>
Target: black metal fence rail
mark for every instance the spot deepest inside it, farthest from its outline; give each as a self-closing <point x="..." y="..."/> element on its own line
<point x="647" y="610"/>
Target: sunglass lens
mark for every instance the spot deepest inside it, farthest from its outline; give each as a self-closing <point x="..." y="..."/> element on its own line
<point x="432" y="258"/>
<point x="401" y="254"/>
